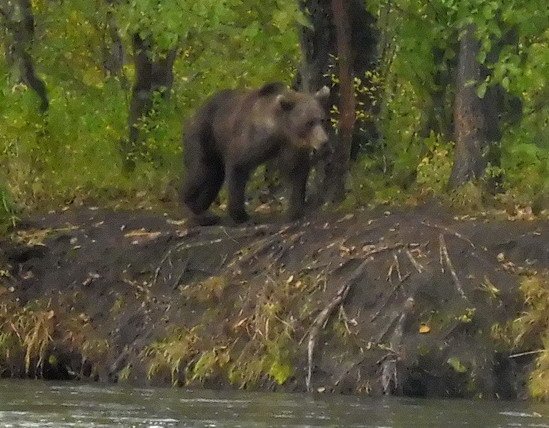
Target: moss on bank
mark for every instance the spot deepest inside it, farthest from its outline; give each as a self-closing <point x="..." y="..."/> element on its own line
<point x="531" y="331"/>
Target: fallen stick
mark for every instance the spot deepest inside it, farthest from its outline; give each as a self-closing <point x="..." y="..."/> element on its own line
<point x="378" y="250"/>
<point x="389" y="297"/>
<point x="261" y="246"/>
<point x="183" y="270"/>
<point x="395" y="266"/>
<point x="522" y="354"/>
<point x="419" y="267"/>
<point x="444" y="253"/>
<point x="449" y="231"/>
<point x="371" y="251"/>
<point x="394" y="342"/>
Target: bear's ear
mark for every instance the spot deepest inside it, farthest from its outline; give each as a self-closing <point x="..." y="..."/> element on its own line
<point x="323" y="93"/>
<point x="285" y="103"/>
<point x="271" y="88"/>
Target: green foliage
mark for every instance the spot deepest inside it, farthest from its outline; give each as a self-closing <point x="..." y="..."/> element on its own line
<point x="457" y="365"/>
<point x="434" y="168"/>
<point x="210" y="363"/>
<point x="539" y="378"/>
<point x="72" y="153"/>
<point x="25" y="335"/>
<point x="534" y="322"/>
<point x="278" y="361"/>
<point x="468" y="197"/>
<point x="532" y="331"/>
<point x="273" y="358"/>
<point x="525" y="158"/>
<point x="529" y="333"/>
<point x="64" y="155"/>
<point x="33" y="334"/>
<point x="419" y="43"/>
<point x="171" y="355"/>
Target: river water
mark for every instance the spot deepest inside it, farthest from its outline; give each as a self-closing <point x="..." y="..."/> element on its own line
<point x="42" y="404"/>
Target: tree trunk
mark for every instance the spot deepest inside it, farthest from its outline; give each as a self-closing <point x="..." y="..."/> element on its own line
<point x="113" y="48"/>
<point x="364" y="45"/>
<point x="342" y="150"/>
<point x="317" y="45"/>
<point x="19" y="20"/>
<point x="438" y="116"/>
<point x="150" y="75"/>
<point x="469" y="121"/>
<point x="497" y="106"/>
<point x="319" y="48"/>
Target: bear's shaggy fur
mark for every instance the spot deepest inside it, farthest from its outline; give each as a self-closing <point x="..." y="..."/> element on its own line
<point x="237" y="130"/>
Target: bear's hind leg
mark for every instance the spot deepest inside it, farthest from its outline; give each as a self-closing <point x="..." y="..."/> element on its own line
<point x="199" y="191"/>
<point x="210" y="187"/>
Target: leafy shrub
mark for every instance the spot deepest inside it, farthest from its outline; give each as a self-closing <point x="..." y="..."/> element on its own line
<point x="530" y="331"/>
<point x="433" y="170"/>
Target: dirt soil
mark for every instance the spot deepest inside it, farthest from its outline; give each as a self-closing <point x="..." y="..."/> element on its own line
<point x="401" y="302"/>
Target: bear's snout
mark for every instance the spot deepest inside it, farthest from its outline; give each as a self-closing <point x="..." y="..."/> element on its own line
<point x="318" y="138"/>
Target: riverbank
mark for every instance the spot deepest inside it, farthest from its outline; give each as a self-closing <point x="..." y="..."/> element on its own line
<point x="415" y="301"/>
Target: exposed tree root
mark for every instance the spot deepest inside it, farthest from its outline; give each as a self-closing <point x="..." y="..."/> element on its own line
<point x="419" y="267"/>
<point x="324" y="315"/>
<point x="389" y="297"/>
<point x="449" y="231"/>
<point x="444" y="255"/>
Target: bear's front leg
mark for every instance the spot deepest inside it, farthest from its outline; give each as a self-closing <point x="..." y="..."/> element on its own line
<point x="236" y="183"/>
<point x="297" y="199"/>
<point x="298" y="186"/>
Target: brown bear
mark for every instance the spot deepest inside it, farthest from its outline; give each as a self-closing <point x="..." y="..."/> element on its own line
<point x="237" y="130"/>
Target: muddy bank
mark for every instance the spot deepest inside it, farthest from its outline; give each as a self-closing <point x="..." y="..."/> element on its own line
<point x="401" y="302"/>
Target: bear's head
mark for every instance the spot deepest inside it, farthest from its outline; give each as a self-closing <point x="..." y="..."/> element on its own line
<point x="304" y="118"/>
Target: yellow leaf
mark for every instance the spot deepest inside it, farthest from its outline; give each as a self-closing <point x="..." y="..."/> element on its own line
<point x="424" y="329"/>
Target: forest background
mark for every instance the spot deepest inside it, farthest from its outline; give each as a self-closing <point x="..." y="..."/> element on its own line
<point x="439" y="97"/>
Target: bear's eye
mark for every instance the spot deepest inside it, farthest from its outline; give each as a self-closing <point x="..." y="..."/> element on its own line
<point x="310" y="124"/>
